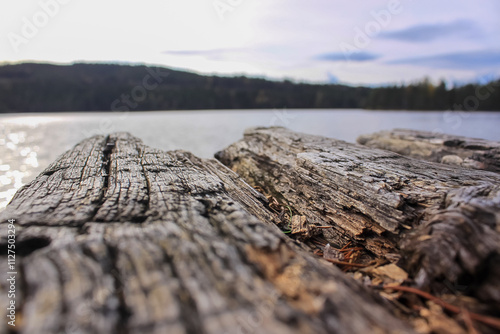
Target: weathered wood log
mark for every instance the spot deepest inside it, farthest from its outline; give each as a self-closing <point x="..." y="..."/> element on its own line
<point x="117" y="237"/>
<point x="438" y="147"/>
<point x="444" y="220"/>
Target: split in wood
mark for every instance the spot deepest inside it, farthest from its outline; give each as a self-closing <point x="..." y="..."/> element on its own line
<point x="167" y="242"/>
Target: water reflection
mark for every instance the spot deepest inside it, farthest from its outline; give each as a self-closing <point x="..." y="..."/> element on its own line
<point x="17" y="162"/>
<point x="18" y="154"/>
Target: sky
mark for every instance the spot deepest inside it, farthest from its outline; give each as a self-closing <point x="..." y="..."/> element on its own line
<point x="367" y="42"/>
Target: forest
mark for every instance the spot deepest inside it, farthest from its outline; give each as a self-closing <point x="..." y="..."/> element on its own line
<point x="33" y="87"/>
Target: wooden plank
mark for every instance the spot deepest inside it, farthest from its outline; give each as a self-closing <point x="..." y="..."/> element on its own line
<point x="117" y="237"/>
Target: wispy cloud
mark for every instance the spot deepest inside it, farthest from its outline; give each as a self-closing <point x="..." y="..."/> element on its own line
<point x="459" y="60"/>
<point x="340" y="56"/>
<point x="430" y="32"/>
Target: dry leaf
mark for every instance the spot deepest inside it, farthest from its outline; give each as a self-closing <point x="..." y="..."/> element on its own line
<point x="421" y="326"/>
<point x="390" y="273"/>
<point x="439" y="322"/>
<point x="424" y="237"/>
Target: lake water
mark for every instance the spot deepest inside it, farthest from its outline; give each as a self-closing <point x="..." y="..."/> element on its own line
<point x="30" y="142"/>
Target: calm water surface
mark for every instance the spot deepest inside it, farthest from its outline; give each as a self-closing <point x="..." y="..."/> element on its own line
<point x="29" y="143"/>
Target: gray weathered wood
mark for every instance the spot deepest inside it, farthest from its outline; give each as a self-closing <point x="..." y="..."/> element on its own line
<point x="117" y="237"/>
<point x="438" y="147"/>
<point x="443" y="220"/>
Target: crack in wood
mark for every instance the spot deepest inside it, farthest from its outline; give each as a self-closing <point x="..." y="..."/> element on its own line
<point x="109" y="145"/>
<point x="207" y="252"/>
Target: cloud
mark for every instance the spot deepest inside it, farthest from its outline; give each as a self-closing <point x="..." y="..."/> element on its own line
<point x="340" y="56"/>
<point x="459" y="60"/>
<point x="430" y="32"/>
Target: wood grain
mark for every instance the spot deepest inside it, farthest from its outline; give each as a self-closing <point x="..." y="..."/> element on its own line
<point x="118" y="237"/>
<point x="442" y="222"/>
<point x="438" y="147"/>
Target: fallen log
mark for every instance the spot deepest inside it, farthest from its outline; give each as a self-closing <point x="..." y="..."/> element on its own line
<point x="438" y="147"/>
<point x="117" y="237"/>
<point x="440" y="223"/>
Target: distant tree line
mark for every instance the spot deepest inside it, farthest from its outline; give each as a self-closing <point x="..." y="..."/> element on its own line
<point x="426" y="96"/>
<point x="99" y="87"/>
